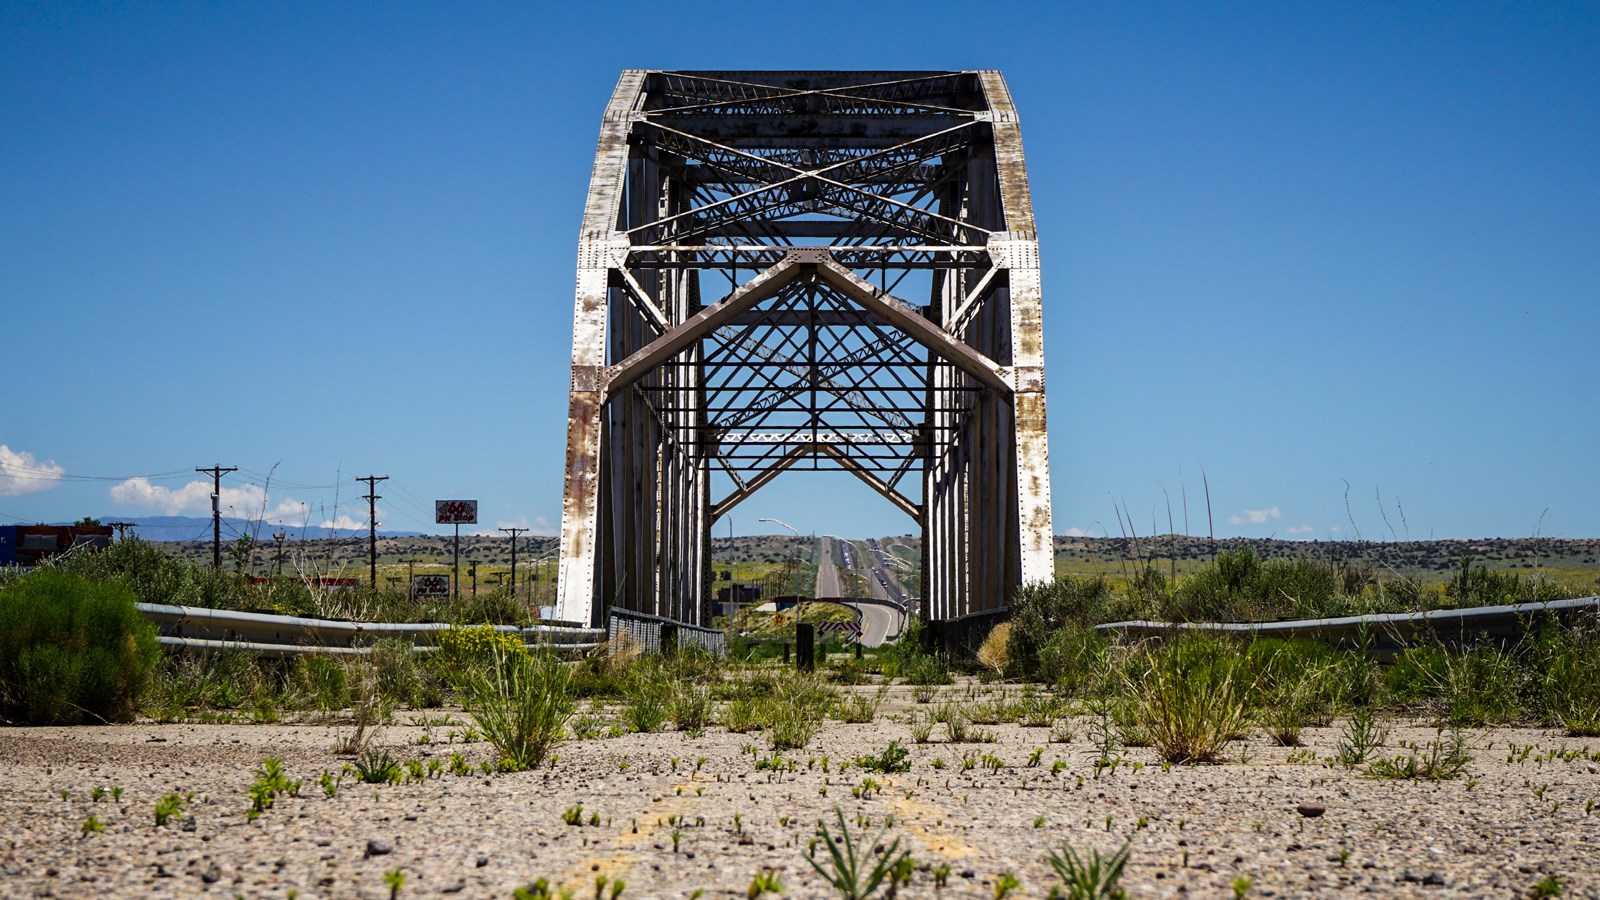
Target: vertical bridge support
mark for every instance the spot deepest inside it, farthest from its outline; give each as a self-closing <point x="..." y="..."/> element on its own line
<point x="784" y="271"/>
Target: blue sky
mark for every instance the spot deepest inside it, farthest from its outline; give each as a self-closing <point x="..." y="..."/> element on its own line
<point x="1287" y="245"/>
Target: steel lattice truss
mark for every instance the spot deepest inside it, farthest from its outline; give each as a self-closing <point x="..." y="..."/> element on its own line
<point x="784" y="271"/>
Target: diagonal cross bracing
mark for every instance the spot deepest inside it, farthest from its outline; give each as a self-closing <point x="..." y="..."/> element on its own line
<point x="872" y="308"/>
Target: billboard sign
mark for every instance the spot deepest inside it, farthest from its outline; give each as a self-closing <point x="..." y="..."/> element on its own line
<point x="455" y="512"/>
<point x="430" y="587"/>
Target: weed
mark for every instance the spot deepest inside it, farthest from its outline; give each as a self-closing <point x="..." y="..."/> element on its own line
<point x="395" y="880"/>
<point x="1241" y="887"/>
<point x="921" y="728"/>
<point x="1192" y="698"/>
<point x="893" y="758"/>
<point x="377" y="767"/>
<point x="93" y="825"/>
<point x="167" y="807"/>
<point x="1361" y="735"/>
<point x="649" y="697"/>
<point x="1438" y="760"/>
<point x="522" y="705"/>
<point x="330" y="784"/>
<point x="743" y="715"/>
<point x="850" y="868"/>
<point x="1062" y="731"/>
<point x="1548" y="886"/>
<point x="765" y="882"/>
<point x="797" y="704"/>
<point x="858" y="709"/>
<point x="270" y="782"/>
<point x="1004" y="884"/>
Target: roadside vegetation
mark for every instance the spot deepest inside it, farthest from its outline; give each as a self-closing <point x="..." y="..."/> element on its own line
<point x="76" y="651"/>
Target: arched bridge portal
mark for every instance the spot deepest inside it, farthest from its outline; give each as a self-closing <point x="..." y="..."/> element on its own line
<point x="804" y="271"/>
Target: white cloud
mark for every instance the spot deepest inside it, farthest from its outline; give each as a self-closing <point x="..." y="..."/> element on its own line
<point x="22" y="473"/>
<point x="247" y="501"/>
<point x="346" y="523"/>
<point x="1298" y="529"/>
<point x="1255" y="516"/>
<point x="1076" y="532"/>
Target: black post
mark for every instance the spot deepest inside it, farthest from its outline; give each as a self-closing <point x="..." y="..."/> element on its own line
<point x="805" y="646"/>
<point x="455" y="582"/>
<point x="669" y="639"/>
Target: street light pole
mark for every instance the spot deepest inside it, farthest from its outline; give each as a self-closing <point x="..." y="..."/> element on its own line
<point x="796" y="533"/>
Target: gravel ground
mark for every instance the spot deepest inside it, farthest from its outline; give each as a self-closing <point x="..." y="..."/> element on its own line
<point x="1193" y="829"/>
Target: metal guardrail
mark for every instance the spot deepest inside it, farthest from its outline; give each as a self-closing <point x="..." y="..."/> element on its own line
<point x="648" y="631"/>
<point x="199" y="628"/>
<point x="1389" y="632"/>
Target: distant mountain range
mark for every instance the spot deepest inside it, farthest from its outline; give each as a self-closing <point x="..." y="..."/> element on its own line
<point x="191" y="528"/>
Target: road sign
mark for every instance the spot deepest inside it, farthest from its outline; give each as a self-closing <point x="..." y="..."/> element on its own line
<point x="430" y="587"/>
<point x="850" y="628"/>
<point x="455" y="512"/>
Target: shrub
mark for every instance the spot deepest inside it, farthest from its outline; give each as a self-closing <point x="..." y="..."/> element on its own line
<point x="649" y="696"/>
<point x="1239" y="587"/>
<point x="1478" y="686"/>
<point x="927" y="669"/>
<point x="463" y="651"/>
<point x="154" y="577"/>
<point x="993" y="651"/>
<point x="521" y="704"/>
<point x="796" y="706"/>
<point x="1073" y="659"/>
<point x="72" y="650"/>
<point x="321" y="683"/>
<point x="1570" y="687"/>
<point x="691" y="706"/>
<point x="1191" y="698"/>
<point x="1044" y="608"/>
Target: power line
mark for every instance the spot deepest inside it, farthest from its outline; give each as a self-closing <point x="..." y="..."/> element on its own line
<point x="34" y="473"/>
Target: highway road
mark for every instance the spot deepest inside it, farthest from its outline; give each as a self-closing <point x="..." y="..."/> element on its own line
<point x="828" y="584"/>
<point x="880" y="623"/>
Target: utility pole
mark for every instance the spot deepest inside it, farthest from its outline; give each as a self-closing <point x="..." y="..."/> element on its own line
<point x="514" y="533"/>
<point x="279" y="536"/>
<point x="472" y="569"/>
<point x="216" y="473"/>
<point x="121" y="528"/>
<point x="372" y="523"/>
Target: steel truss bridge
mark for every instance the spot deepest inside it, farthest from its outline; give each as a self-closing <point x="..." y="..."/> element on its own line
<point x="804" y="271"/>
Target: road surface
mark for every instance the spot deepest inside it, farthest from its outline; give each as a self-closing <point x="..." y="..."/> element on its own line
<point x="879" y="623"/>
